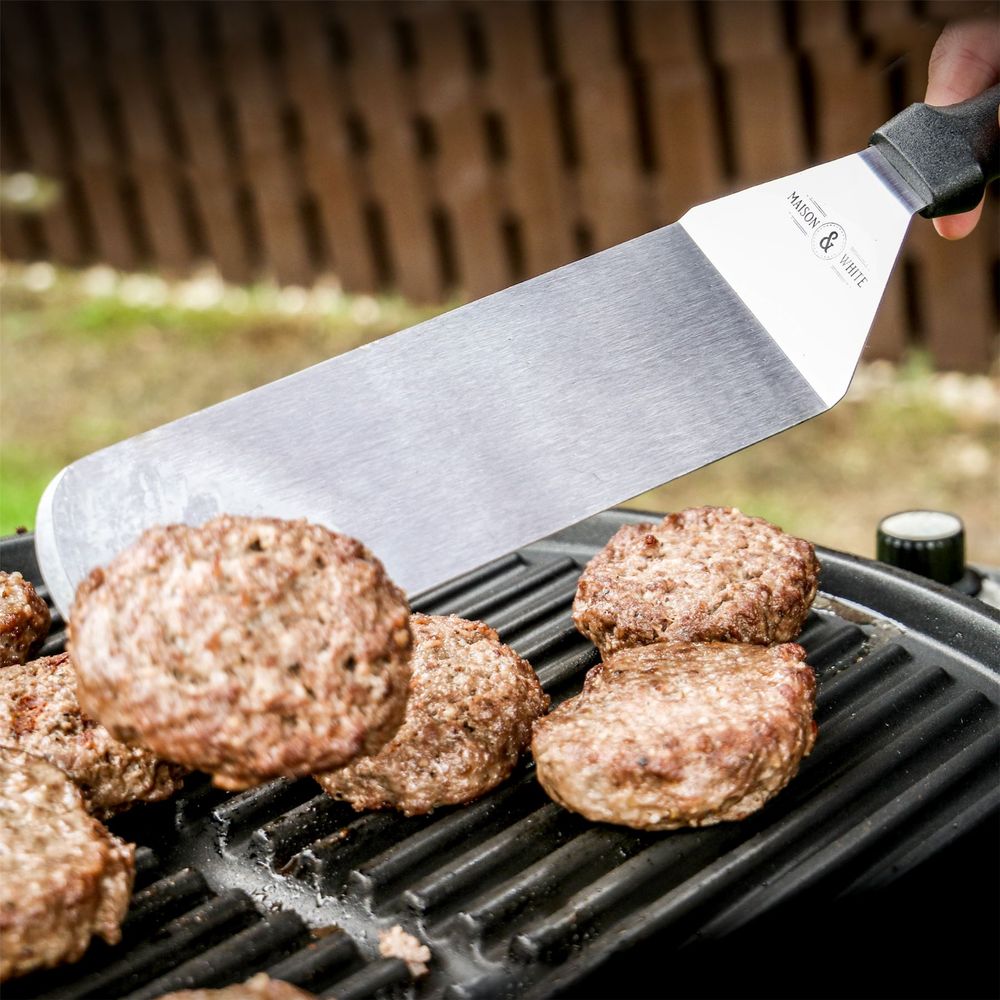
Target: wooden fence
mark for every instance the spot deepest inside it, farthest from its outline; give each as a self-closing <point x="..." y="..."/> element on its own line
<point x="441" y="147"/>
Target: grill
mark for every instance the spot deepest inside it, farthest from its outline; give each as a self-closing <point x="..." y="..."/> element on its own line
<point x="519" y="898"/>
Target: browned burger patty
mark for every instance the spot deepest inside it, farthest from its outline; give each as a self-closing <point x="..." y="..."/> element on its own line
<point x="260" y="987"/>
<point x="705" y="574"/>
<point x="24" y="619"/>
<point x="248" y="648"/>
<point x="679" y="734"/>
<point x="64" y="877"/>
<point x="472" y="703"/>
<point x="39" y="714"/>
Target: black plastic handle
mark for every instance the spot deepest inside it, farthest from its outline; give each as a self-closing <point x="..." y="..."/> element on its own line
<point x="947" y="155"/>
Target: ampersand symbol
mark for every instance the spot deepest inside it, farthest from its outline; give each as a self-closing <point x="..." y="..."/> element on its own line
<point x="828" y="241"/>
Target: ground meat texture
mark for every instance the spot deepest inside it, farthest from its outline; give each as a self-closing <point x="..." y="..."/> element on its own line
<point x="39" y="714"/>
<point x="705" y="574"/>
<point x="679" y="734"/>
<point x="65" y="878"/>
<point x="24" y="619"/>
<point x="260" y="987"/>
<point x="248" y="647"/>
<point x="472" y="703"/>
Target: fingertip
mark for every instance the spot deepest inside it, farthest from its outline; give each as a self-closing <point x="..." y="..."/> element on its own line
<point x="947" y="228"/>
<point x="952" y="227"/>
<point x="957" y="227"/>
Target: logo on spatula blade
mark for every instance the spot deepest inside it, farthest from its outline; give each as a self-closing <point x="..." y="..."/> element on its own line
<point x="828" y="240"/>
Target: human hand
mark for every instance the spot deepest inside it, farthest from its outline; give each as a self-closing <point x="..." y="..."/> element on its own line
<point x="964" y="62"/>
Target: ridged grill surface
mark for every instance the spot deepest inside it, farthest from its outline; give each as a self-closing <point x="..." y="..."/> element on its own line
<point x="515" y="895"/>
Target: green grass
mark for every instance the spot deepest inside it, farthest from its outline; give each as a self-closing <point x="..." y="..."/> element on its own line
<point x="24" y="476"/>
<point x="109" y="318"/>
<point x="79" y="371"/>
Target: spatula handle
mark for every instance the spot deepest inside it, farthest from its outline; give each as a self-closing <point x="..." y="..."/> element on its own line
<point x="947" y="155"/>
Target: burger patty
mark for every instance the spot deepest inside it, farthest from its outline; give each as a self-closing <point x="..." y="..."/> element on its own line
<point x="247" y="647"/>
<point x="679" y="734"/>
<point x="65" y="878"/>
<point x="468" y="718"/>
<point x="39" y="714"/>
<point x="24" y="619"/>
<point x="705" y="574"/>
<point x="259" y="987"/>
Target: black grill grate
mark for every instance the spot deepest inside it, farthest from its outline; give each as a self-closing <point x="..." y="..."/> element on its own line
<point x="516" y="896"/>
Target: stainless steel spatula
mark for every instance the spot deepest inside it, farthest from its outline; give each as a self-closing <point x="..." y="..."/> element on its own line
<point x="486" y="428"/>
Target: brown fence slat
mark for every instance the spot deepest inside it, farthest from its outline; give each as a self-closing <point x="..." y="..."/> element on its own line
<point x="25" y="60"/>
<point x="466" y="183"/>
<point x="318" y="90"/>
<point x="192" y="86"/>
<point x="850" y="102"/>
<point x="682" y="108"/>
<point x="611" y="184"/>
<point x="690" y="159"/>
<point x="747" y="30"/>
<point x="524" y="96"/>
<point x="15" y="240"/>
<point x="888" y="337"/>
<point x="959" y="325"/>
<point x="762" y="89"/>
<point x="884" y="16"/>
<point x="272" y="171"/>
<point x="954" y="10"/>
<point x="894" y="33"/>
<point x="153" y="162"/>
<point x="767" y="144"/>
<point x="77" y="78"/>
<point x="666" y="36"/>
<point x="897" y="18"/>
<point x="822" y="22"/>
<point x="18" y="231"/>
<point x="382" y="94"/>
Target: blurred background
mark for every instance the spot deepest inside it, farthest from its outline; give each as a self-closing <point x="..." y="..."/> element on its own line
<point x="199" y="197"/>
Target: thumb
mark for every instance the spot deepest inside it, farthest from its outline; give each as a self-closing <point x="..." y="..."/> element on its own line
<point x="965" y="61"/>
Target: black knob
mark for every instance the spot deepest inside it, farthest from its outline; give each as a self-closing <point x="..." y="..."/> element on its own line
<point x="928" y="542"/>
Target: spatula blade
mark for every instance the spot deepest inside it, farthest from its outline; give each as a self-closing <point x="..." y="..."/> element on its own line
<point x="495" y="424"/>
